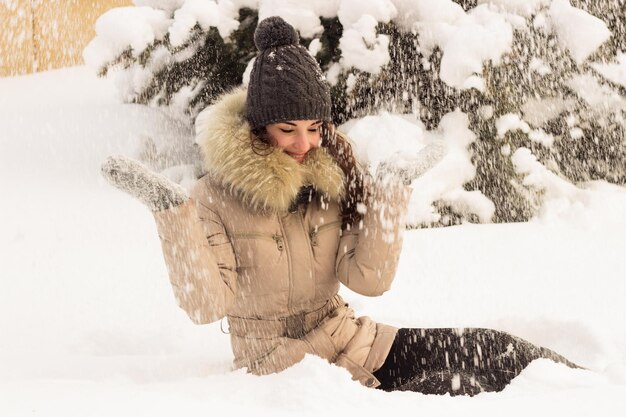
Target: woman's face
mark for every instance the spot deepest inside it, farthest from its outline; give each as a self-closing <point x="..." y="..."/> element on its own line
<point x="295" y="137"/>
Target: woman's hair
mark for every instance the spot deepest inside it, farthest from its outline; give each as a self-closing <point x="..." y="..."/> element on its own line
<point x="340" y="149"/>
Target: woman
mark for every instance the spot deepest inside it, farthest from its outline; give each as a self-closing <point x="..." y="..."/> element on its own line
<point x="284" y="215"/>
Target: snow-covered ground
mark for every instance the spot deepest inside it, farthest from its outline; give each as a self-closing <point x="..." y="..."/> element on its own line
<point x="89" y="326"/>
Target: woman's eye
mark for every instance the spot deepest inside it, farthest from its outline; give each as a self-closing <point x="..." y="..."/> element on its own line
<point x="286" y="130"/>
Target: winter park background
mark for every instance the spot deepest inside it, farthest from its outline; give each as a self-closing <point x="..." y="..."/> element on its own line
<point x="520" y="227"/>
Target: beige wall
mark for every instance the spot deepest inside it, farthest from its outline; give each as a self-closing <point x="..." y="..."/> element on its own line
<point x="37" y="35"/>
<point x="16" y="37"/>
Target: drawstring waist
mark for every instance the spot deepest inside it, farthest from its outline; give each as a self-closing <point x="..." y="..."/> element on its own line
<point x="294" y="327"/>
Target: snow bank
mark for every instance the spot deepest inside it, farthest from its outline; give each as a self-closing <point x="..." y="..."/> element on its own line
<point x="90" y="326"/>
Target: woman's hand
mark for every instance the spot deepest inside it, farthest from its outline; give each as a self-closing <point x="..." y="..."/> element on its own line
<point x="154" y="190"/>
<point x="406" y="169"/>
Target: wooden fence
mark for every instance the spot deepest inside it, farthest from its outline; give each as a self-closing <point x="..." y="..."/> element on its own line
<point x="38" y="35"/>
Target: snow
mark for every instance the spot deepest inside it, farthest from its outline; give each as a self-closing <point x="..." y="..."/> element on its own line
<point x="599" y="97"/>
<point x="222" y="15"/>
<point x="537" y="112"/>
<point x="314" y="47"/>
<point x="351" y="11"/>
<point x="466" y="39"/>
<point x="539" y="66"/>
<point x="525" y="8"/>
<point x="123" y="26"/>
<point x="539" y="176"/>
<point x="615" y="72"/>
<point x="90" y="326"/>
<point x="167" y="5"/>
<point x="577" y="30"/>
<point x="576" y="133"/>
<point x="362" y="48"/>
<point x="511" y="122"/>
<point x="332" y="75"/>
<point x="542" y="137"/>
<point x="483" y="35"/>
<point x="303" y="17"/>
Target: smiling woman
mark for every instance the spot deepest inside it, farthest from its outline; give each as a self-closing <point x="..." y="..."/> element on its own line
<point x="296" y="138"/>
<point x="267" y="238"/>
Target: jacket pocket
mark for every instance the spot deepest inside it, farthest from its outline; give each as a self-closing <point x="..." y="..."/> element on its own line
<point x="325" y="242"/>
<point x="325" y="239"/>
<point x="255" y="249"/>
<point x="325" y="245"/>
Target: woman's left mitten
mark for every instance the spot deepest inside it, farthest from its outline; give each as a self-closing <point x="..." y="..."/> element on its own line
<point x="154" y="190"/>
<point x="406" y="169"/>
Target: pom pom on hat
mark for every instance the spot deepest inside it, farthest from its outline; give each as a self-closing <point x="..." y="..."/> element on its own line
<point x="273" y="32"/>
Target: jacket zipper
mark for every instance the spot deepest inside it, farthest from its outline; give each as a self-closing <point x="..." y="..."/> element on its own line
<point x="301" y="214"/>
<point x="317" y="230"/>
<point x="289" y="267"/>
<point x="278" y="239"/>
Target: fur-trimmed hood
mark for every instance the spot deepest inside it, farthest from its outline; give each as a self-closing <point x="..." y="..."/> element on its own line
<point x="264" y="182"/>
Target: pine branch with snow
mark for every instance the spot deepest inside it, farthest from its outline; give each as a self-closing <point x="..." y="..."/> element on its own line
<point x="545" y="76"/>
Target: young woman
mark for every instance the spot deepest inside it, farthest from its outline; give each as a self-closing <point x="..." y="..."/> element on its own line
<point x="284" y="215"/>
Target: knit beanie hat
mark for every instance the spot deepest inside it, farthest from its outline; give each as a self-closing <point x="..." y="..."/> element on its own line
<point x="286" y="83"/>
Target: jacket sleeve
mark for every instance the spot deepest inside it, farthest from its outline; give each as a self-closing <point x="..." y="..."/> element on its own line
<point x="199" y="259"/>
<point x="369" y="252"/>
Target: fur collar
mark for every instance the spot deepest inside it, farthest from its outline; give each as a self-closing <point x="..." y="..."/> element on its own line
<point x="267" y="183"/>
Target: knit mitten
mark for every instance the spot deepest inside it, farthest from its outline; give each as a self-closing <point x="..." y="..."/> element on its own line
<point x="154" y="190"/>
<point x="407" y="169"/>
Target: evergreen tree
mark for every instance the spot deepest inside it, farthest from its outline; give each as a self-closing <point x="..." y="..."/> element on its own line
<point x="567" y="112"/>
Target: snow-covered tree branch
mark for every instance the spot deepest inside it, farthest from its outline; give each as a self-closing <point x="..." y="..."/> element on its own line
<point x="540" y="79"/>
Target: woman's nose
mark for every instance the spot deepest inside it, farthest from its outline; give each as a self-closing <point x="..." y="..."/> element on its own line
<point x="302" y="142"/>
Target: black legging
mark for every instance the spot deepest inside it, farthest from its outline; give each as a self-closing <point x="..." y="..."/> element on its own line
<point x="457" y="361"/>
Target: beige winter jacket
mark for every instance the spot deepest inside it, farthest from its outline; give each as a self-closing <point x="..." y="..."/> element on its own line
<point x="236" y="250"/>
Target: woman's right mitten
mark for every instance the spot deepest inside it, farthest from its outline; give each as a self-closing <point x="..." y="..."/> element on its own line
<point x="154" y="190"/>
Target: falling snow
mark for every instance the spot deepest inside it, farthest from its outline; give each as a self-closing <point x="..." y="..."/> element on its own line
<point x="90" y="325"/>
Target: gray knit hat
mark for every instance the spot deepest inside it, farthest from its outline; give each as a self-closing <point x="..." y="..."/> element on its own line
<point x="286" y="83"/>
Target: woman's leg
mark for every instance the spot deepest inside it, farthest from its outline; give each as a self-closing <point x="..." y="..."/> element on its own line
<point x="457" y="361"/>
